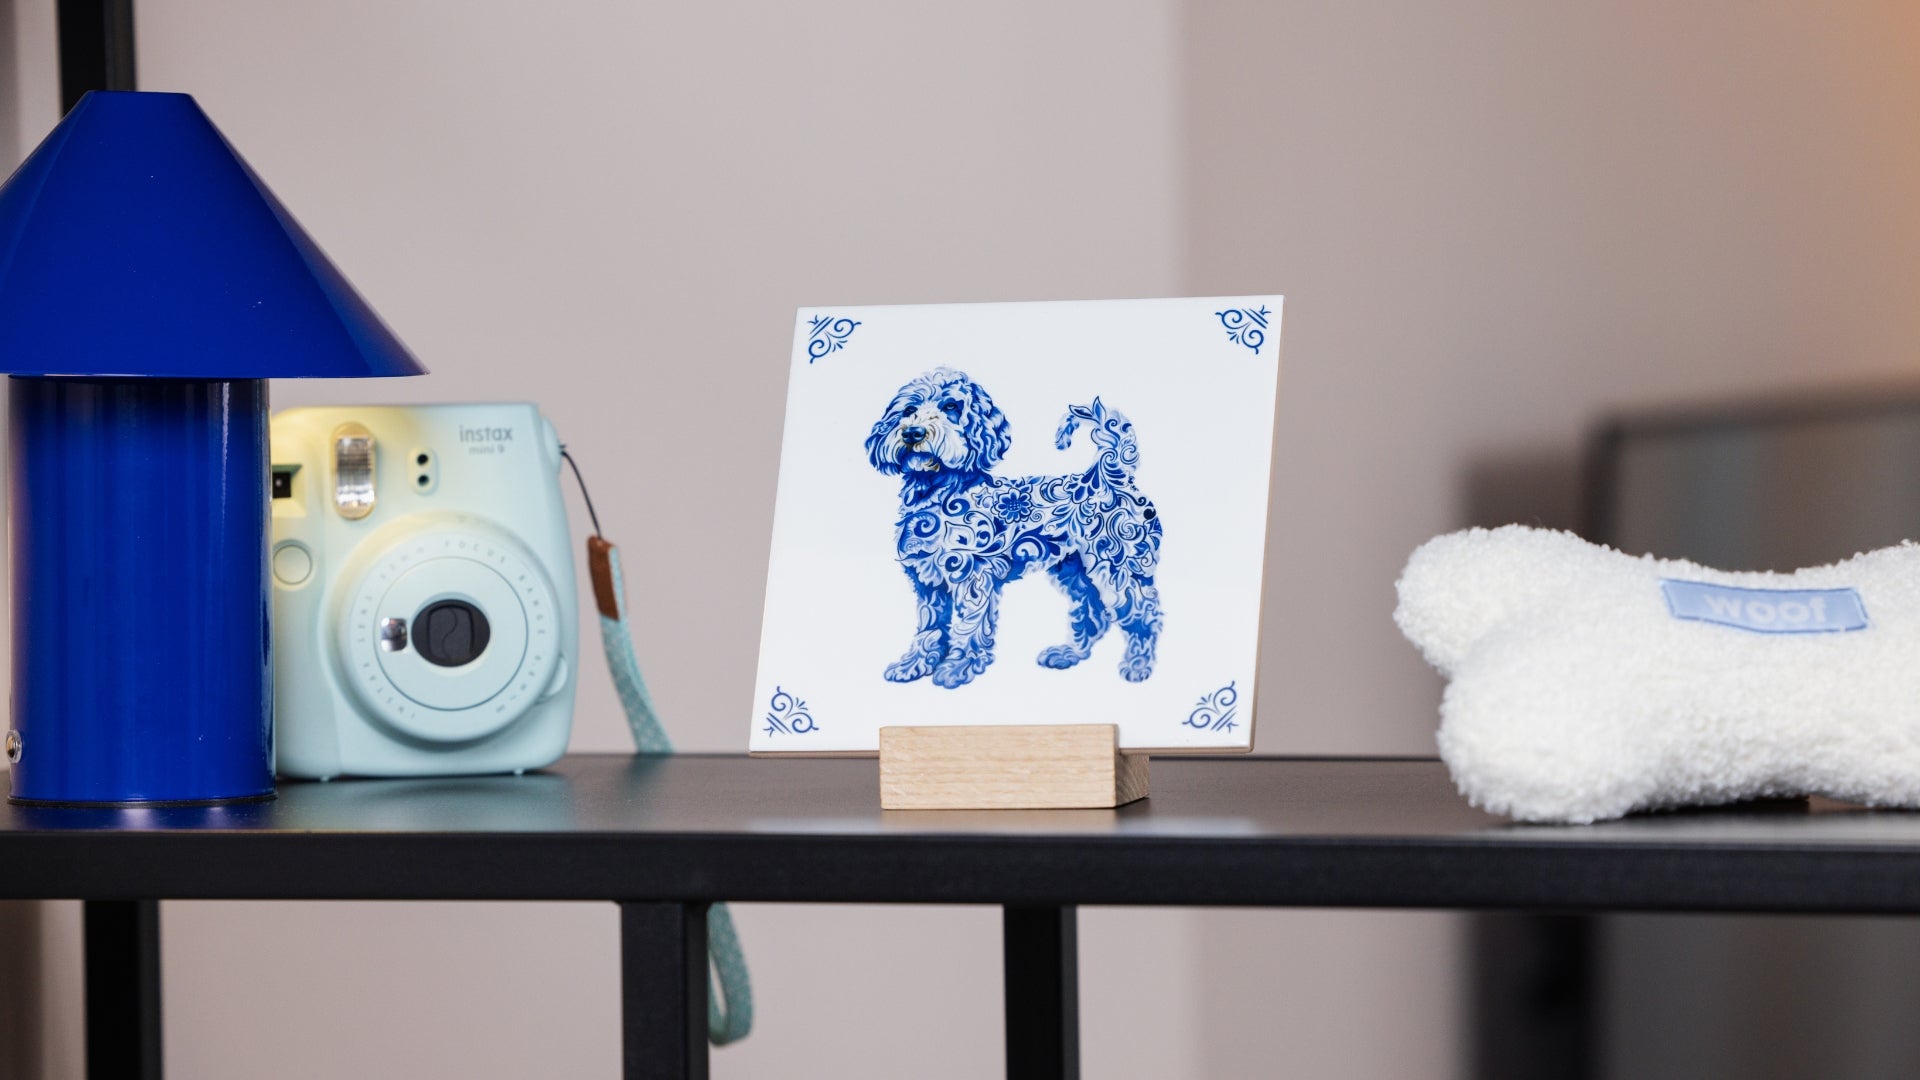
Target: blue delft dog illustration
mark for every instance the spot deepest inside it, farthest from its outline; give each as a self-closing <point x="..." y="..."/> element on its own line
<point x="964" y="533"/>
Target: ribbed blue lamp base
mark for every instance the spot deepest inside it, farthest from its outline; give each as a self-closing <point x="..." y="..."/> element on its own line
<point x="142" y="669"/>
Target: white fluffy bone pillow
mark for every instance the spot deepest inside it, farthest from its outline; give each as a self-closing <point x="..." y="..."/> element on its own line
<point x="1586" y="684"/>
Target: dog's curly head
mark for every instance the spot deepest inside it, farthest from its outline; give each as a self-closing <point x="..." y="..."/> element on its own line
<point x="939" y="421"/>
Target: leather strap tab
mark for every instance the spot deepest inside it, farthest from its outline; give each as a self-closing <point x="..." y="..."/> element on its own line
<point x="600" y="566"/>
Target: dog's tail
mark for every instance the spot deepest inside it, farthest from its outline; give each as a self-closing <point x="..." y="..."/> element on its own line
<point x="1109" y="429"/>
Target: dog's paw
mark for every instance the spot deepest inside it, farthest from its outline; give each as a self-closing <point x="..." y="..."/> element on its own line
<point x="1060" y="656"/>
<point x="923" y="652"/>
<point x="958" y="671"/>
<point x="1138" y="663"/>
<point x="909" y="667"/>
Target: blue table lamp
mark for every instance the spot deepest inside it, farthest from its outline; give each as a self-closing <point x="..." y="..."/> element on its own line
<point x="150" y="284"/>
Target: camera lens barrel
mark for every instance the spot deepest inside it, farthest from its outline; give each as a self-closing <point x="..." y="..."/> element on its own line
<point x="451" y="633"/>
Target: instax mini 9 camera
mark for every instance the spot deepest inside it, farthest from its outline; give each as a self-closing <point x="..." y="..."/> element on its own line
<point x="424" y="614"/>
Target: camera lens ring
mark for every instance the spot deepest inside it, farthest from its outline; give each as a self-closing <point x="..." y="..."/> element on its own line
<point x="474" y="562"/>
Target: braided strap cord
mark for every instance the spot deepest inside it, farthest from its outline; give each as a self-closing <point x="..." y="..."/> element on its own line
<point x="728" y="967"/>
<point x="649" y="737"/>
<point x="727" y="979"/>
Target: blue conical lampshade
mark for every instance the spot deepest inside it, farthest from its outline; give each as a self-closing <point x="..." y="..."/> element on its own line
<point x="150" y="285"/>
<point x="137" y="242"/>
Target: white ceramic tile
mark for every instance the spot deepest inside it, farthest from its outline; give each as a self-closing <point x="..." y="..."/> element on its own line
<point x="1195" y="378"/>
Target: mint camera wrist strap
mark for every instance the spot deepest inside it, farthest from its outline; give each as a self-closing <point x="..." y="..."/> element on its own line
<point x="730" y="1004"/>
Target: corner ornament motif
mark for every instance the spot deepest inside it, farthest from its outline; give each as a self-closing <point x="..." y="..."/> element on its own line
<point x="1245" y="326"/>
<point x="1215" y="711"/>
<point x="828" y="334"/>
<point x="788" y="715"/>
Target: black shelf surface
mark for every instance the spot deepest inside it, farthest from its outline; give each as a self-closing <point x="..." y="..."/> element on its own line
<point x="1359" y="832"/>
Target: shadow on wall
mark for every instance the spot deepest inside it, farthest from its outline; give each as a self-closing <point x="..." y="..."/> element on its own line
<point x="10" y="79"/>
<point x="20" y="988"/>
<point x="19" y="920"/>
<point x="1540" y="486"/>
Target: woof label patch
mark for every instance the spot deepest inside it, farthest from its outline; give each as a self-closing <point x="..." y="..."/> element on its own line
<point x="1767" y="611"/>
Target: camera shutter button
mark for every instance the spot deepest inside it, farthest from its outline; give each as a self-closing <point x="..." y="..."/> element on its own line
<point x="292" y="564"/>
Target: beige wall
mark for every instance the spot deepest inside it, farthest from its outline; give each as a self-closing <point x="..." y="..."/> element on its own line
<point x="1491" y="221"/>
<point x="616" y="213"/>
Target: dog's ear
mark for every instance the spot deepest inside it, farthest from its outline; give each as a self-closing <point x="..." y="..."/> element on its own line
<point x="987" y="429"/>
<point x="876" y="444"/>
<point x="877" y="438"/>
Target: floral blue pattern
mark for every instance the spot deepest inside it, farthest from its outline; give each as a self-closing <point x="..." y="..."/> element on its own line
<point x="1016" y="505"/>
<point x="1216" y="711"/>
<point x="828" y="334"/>
<point x="788" y="715"/>
<point x="1245" y="326"/>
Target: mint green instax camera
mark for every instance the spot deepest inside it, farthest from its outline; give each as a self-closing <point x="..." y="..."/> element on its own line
<point x="424" y="615"/>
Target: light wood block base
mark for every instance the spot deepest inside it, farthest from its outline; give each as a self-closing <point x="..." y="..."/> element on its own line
<point x="1029" y="767"/>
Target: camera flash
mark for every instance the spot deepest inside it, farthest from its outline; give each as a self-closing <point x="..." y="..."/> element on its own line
<point x="353" y="471"/>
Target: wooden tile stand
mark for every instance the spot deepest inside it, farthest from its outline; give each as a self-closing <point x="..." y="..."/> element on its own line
<point x="1029" y="767"/>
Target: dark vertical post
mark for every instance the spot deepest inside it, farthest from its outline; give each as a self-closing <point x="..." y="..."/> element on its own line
<point x="122" y="937"/>
<point x="96" y="48"/>
<point x="1043" y="993"/>
<point x="663" y="990"/>
<point x="1536" y="979"/>
<point x="1536" y="1000"/>
<point x="123" y="989"/>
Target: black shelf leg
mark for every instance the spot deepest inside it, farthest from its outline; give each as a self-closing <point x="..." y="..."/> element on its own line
<point x="1537" y="997"/>
<point x="123" y="989"/>
<point x="663" y="990"/>
<point x="1043" y="993"/>
<point x="96" y="48"/>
